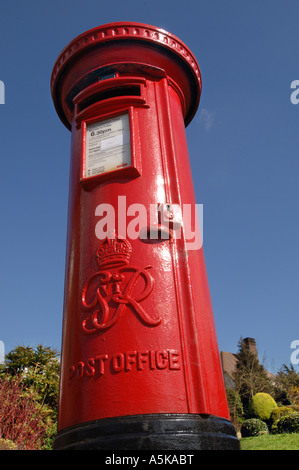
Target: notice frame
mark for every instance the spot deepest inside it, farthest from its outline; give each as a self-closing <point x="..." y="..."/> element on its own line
<point x="110" y="147"/>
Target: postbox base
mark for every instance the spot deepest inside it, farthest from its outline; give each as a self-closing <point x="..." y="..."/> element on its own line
<point x="151" y="432"/>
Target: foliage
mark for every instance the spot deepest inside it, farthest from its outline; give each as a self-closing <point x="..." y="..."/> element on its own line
<point x="6" y="444"/>
<point x="21" y="420"/>
<point x="287" y="381"/>
<point x="39" y="369"/>
<point x="271" y="442"/>
<point x="235" y="406"/>
<point x="288" y="376"/>
<point x="278" y="413"/>
<point x="288" y="423"/>
<point x="261" y="406"/>
<point x="23" y="357"/>
<point x="253" y="427"/>
<point x="250" y="377"/>
<point x="281" y="396"/>
<point x="294" y="394"/>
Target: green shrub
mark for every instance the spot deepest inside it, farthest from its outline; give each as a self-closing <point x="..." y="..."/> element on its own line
<point x="6" y="444"/>
<point x="235" y="405"/>
<point x="254" y="427"/>
<point x="280" y="412"/>
<point x="261" y="406"/>
<point x="288" y="423"/>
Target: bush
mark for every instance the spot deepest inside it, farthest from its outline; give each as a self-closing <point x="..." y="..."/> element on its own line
<point x="254" y="427"/>
<point x="6" y="444"/>
<point x="282" y="397"/>
<point x="21" y="420"/>
<point x="280" y="412"/>
<point x="235" y="405"/>
<point x="294" y="394"/>
<point x="261" y="406"/>
<point x="288" y="423"/>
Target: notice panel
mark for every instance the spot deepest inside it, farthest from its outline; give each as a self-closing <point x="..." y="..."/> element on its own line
<point x="108" y="145"/>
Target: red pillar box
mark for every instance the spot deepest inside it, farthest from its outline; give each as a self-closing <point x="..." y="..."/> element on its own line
<point x="140" y="363"/>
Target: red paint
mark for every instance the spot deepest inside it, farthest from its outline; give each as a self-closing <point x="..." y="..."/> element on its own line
<point x="138" y="329"/>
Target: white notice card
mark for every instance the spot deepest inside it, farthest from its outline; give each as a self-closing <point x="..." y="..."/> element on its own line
<point x="108" y="145"/>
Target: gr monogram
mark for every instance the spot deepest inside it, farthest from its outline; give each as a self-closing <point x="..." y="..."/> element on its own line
<point x="116" y="288"/>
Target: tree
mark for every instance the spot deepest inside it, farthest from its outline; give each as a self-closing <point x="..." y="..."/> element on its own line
<point x="38" y="371"/>
<point x="288" y="376"/>
<point x="287" y="381"/>
<point x="250" y="376"/>
<point x="39" y="368"/>
<point x="235" y="406"/>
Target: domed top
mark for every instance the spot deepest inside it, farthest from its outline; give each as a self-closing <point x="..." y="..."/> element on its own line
<point x="136" y="34"/>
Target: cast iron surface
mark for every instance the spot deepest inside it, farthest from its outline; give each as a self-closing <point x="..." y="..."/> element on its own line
<point x="151" y="432"/>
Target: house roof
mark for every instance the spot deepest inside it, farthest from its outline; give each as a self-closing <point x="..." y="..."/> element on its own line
<point x="229" y="362"/>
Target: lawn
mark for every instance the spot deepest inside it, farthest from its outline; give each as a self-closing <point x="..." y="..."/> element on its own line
<point x="271" y="442"/>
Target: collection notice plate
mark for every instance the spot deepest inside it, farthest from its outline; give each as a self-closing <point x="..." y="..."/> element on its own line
<point x="108" y="145"/>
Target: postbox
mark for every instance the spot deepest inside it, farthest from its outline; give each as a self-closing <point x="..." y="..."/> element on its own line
<point x="140" y="366"/>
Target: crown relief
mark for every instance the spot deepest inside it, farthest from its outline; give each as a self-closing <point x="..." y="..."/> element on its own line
<point x="113" y="252"/>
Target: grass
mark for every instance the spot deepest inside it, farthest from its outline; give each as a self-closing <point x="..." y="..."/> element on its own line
<point x="271" y="442"/>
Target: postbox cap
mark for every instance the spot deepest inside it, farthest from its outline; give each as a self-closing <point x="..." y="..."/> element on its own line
<point x="143" y="43"/>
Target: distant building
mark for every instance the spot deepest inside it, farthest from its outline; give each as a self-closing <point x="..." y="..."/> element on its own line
<point x="229" y="362"/>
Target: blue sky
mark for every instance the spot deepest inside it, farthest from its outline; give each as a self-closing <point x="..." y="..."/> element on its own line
<point x="243" y="146"/>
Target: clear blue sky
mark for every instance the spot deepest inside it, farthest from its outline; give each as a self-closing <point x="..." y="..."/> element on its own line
<point x="243" y="146"/>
